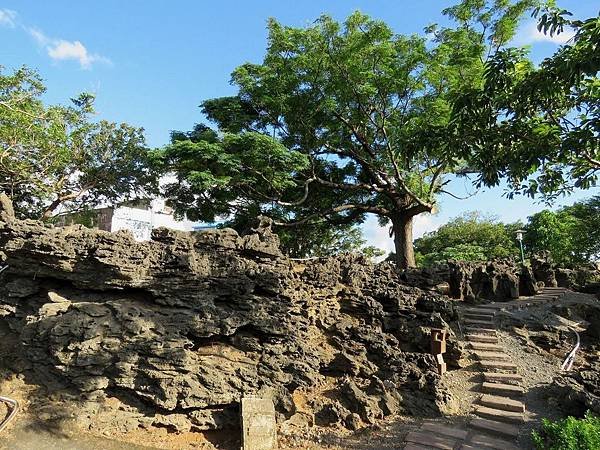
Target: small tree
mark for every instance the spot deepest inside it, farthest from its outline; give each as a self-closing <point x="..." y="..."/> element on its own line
<point x="55" y="156"/>
<point x="351" y="119"/>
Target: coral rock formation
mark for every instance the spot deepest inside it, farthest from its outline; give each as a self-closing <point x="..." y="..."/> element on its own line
<point x="173" y="332"/>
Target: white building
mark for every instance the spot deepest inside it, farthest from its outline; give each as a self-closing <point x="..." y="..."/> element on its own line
<point x="140" y="217"/>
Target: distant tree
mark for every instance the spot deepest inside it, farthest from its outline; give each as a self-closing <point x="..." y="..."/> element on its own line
<point x="301" y="242"/>
<point x="54" y="156"/>
<point x="554" y="232"/>
<point x="470" y="237"/>
<point x="587" y="239"/>
<point x="571" y="235"/>
<point x="340" y="121"/>
<point x="537" y="126"/>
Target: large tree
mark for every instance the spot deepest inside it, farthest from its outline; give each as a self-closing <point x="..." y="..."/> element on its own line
<point x="55" y="157"/>
<point x="342" y="120"/>
<point x="538" y="127"/>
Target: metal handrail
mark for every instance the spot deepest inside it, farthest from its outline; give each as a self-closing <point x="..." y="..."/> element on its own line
<point x="9" y="401"/>
<point x="568" y="362"/>
<point x="15" y="408"/>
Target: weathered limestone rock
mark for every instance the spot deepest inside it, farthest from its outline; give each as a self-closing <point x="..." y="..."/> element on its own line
<point x="176" y="331"/>
<point x="543" y="271"/>
<point x="6" y="208"/>
<point x="495" y="280"/>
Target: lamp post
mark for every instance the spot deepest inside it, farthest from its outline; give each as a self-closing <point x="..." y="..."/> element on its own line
<point x="520" y="239"/>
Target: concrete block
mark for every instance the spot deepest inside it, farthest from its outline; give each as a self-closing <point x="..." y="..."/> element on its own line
<point x="259" y="427"/>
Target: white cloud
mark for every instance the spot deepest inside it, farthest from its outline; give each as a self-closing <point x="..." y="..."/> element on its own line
<point x="530" y="34"/>
<point x="7" y="17"/>
<point x="38" y="36"/>
<point x="63" y="50"/>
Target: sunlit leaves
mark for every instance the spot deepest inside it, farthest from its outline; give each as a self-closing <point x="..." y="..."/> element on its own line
<point x="55" y="157"/>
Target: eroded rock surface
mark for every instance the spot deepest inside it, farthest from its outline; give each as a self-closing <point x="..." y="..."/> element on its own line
<point x="173" y="332"/>
<point x="579" y="391"/>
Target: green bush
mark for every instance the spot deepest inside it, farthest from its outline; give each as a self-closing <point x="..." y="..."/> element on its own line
<point x="569" y="434"/>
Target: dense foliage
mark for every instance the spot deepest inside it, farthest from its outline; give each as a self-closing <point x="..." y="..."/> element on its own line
<point x="471" y="237"/>
<point x="537" y="126"/>
<point x="341" y="120"/>
<point x="55" y="156"/>
<point x="570" y="235"/>
<point x="568" y="434"/>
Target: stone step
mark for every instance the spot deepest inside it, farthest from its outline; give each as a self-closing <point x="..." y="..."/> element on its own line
<point x="486" y="346"/>
<point x="488" y="318"/>
<point x="431" y="440"/>
<point x="543" y="297"/>
<point x="540" y="299"/>
<point x="479" y="317"/>
<point x="445" y="430"/>
<point x="480" y="323"/>
<point x="483" y="441"/>
<point x="411" y="446"/>
<point x="481" y="330"/>
<point x="476" y="337"/>
<point x="535" y="301"/>
<point x="491" y="356"/>
<point x="491" y="306"/>
<point x="502" y="377"/>
<point x="494" y="427"/>
<point x="502" y="365"/>
<point x="488" y="311"/>
<point x="501" y="388"/>
<point x="499" y="414"/>
<point x="501" y="402"/>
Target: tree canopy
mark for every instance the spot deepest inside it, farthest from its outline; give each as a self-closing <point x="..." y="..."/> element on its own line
<point x="571" y="235"/>
<point x="537" y="126"/>
<point x="469" y="237"/>
<point x="53" y="156"/>
<point x="340" y="120"/>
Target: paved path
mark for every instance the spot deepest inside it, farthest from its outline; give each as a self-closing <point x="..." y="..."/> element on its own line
<point x="499" y="411"/>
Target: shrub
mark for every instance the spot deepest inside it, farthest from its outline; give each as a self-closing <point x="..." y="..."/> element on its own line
<point x="569" y="434"/>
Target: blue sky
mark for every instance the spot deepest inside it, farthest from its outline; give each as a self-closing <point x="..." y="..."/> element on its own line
<point x="152" y="62"/>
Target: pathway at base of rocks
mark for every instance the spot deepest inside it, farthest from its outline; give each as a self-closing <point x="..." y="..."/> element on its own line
<point x="499" y="410"/>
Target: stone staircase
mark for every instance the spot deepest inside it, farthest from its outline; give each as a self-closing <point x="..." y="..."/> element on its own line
<point x="500" y="409"/>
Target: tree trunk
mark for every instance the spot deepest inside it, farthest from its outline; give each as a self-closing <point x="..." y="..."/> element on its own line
<point x="47" y="214"/>
<point x="403" y="241"/>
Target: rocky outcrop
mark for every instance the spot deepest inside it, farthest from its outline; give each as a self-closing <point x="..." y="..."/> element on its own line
<point x="578" y="391"/>
<point x="496" y="280"/>
<point x="173" y="332"/>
